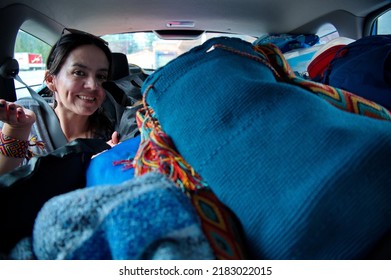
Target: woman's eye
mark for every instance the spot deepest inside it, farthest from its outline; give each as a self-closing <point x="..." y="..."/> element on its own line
<point x="102" y="77"/>
<point x="78" y="73"/>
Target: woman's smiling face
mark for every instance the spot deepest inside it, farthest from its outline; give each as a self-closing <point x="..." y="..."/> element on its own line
<point x="79" y="82"/>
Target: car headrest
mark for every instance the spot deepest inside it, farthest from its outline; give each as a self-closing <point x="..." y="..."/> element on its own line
<point x="120" y="66"/>
<point x="9" y="68"/>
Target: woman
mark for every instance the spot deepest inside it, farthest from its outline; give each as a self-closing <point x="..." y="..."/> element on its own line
<point x="76" y="68"/>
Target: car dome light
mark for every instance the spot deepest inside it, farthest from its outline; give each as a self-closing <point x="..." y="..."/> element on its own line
<point x="181" y="24"/>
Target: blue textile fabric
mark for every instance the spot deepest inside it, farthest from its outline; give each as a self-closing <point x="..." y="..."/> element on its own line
<point x="288" y="42"/>
<point x="144" y="218"/>
<point x="102" y="170"/>
<point x="305" y="179"/>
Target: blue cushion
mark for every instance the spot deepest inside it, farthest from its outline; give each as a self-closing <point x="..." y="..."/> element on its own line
<point x="102" y="171"/>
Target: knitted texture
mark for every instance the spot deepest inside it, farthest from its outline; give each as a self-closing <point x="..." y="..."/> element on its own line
<point x="143" y="218"/>
<point x="340" y="98"/>
<point x="158" y="154"/>
<point x="306" y="179"/>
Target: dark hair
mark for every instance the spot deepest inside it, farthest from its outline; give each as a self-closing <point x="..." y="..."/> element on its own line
<point x="100" y="124"/>
<point x="67" y="43"/>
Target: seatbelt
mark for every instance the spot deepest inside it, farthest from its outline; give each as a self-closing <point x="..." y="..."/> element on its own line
<point x="9" y="69"/>
<point x="49" y="116"/>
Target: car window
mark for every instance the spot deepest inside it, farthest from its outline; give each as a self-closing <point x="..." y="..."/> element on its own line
<point x="384" y="23"/>
<point x="30" y="53"/>
<point x="150" y="52"/>
<point x="300" y="58"/>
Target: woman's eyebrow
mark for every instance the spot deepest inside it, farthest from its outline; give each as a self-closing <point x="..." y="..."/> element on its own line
<point x="77" y="64"/>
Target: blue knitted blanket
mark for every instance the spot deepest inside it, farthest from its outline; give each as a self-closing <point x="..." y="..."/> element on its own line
<point x="306" y="179"/>
<point x="143" y="218"/>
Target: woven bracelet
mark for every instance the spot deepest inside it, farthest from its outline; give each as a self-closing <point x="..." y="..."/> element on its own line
<point x="11" y="147"/>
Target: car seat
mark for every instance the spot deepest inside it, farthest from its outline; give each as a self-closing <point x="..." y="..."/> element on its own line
<point x="125" y="86"/>
<point x="123" y="91"/>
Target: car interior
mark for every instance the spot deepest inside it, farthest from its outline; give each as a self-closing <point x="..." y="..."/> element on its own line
<point x="151" y="39"/>
<point x="46" y="21"/>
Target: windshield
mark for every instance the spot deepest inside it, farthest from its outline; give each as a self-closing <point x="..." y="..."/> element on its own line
<point x="150" y="52"/>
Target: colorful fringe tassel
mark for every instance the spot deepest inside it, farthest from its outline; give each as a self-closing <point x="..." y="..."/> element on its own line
<point x="157" y="153"/>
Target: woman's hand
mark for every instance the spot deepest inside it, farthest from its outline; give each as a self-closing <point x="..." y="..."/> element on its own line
<point x="114" y="139"/>
<point x="16" y="116"/>
<point x="17" y="125"/>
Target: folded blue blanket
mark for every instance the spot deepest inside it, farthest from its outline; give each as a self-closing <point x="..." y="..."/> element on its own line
<point x="288" y="42"/>
<point x="143" y="218"/>
<point x="306" y="180"/>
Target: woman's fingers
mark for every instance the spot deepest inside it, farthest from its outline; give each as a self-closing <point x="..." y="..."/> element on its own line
<point x="15" y="115"/>
<point x="114" y="139"/>
<point x="3" y="109"/>
<point x="12" y="113"/>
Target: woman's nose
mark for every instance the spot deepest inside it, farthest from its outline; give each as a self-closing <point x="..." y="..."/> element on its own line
<point x="93" y="83"/>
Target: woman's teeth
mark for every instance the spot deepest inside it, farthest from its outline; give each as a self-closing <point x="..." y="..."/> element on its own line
<point x="86" y="98"/>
